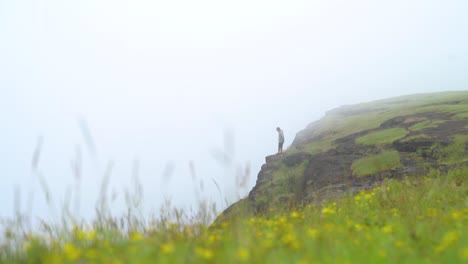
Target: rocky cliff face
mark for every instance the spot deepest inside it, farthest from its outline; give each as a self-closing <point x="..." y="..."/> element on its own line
<point x="356" y="147"/>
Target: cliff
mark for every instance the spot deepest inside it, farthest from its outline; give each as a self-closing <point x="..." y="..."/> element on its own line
<point x="359" y="146"/>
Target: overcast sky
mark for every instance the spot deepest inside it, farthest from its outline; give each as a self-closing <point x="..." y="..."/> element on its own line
<point x="165" y="84"/>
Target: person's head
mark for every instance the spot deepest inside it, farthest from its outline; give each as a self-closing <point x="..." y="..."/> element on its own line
<point x="278" y="129"/>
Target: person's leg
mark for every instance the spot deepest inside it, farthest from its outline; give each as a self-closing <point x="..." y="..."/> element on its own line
<point x="281" y="148"/>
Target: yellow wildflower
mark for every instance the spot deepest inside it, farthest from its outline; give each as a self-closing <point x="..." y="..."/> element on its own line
<point x="464" y="253"/>
<point x="71" y="251"/>
<point x="313" y="232"/>
<point x="357" y="198"/>
<point x="327" y="210"/>
<point x="295" y="214"/>
<point x="282" y="220"/>
<point x="359" y="227"/>
<point x="243" y="254"/>
<point x="456" y="215"/>
<point x="447" y="241"/>
<point x="26" y="245"/>
<point x="167" y="248"/>
<point x="214" y="237"/>
<point x="204" y="253"/>
<point x="91" y="235"/>
<point x="188" y="231"/>
<point x="387" y="229"/>
<point x="80" y="234"/>
<point x="136" y="236"/>
<point x="290" y="240"/>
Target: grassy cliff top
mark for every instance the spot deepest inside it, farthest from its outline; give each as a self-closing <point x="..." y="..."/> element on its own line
<point x="319" y="136"/>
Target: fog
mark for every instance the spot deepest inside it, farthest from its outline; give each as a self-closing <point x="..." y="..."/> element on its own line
<point x="183" y="94"/>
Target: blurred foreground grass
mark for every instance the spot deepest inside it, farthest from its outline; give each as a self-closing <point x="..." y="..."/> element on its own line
<point x="416" y="220"/>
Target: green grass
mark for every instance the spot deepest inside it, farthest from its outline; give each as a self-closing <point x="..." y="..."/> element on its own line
<point x="318" y="146"/>
<point x="426" y="124"/>
<point x="446" y="108"/>
<point x="314" y="147"/>
<point x="461" y="116"/>
<point x="285" y="184"/>
<point x="386" y="160"/>
<point x="382" y="137"/>
<point x="416" y="220"/>
<point x="455" y="152"/>
<point x="414" y="137"/>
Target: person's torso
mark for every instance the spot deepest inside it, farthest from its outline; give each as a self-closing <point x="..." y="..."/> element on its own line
<point x="281" y="136"/>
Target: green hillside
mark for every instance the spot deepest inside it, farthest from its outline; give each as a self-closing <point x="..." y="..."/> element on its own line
<point x="359" y="146"/>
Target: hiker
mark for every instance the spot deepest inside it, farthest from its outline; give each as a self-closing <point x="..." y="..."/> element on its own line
<point x="280" y="141"/>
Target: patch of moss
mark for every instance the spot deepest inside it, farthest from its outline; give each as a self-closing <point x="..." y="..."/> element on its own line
<point x="382" y="137"/>
<point x="461" y="116"/>
<point x="446" y="108"/>
<point x="386" y="160"/>
<point x="286" y="179"/>
<point x="413" y="137"/>
<point x="415" y="119"/>
<point x="455" y="152"/>
<point x="426" y="124"/>
<point x="318" y="146"/>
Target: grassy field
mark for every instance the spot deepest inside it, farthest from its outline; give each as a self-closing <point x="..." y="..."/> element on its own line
<point x="384" y="161"/>
<point x="382" y="137"/>
<point x="416" y="220"/>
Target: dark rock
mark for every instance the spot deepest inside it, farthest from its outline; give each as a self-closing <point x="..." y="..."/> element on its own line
<point x="271" y="158"/>
<point x="295" y="159"/>
<point x="413" y="145"/>
<point x="396" y="121"/>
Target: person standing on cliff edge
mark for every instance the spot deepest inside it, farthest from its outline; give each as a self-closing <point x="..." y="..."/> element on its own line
<point x="280" y="141"/>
